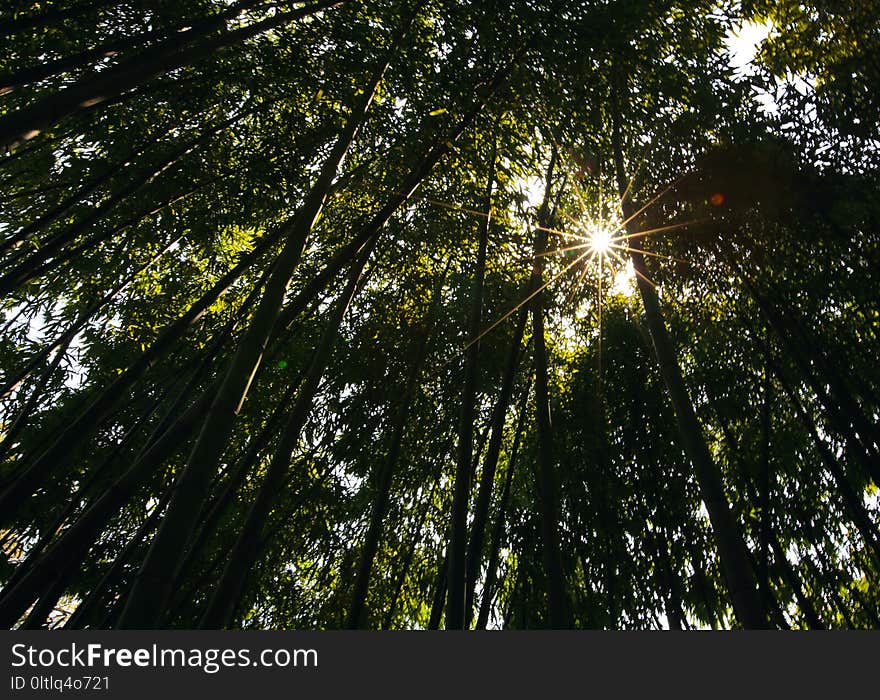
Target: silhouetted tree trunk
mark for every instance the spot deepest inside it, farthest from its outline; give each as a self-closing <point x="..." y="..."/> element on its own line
<point x="144" y="607"/>
<point x="547" y="490"/>
<point x="456" y="612"/>
<point x="841" y="421"/>
<point x="87" y="612"/>
<point x="191" y="31"/>
<point x="388" y="467"/>
<point x="240" y="560"/>
<point x="180" y="519"/>
<point x="83" y="318"/>
<point x="413" y="539"/>
<point x="175" y="52"/>
<point x="50" y="18"/>
<point x="62" y="449"/>
<point x="794" y="584"/>
<point x="73" y="544"/>
<point x="853" y="505"/>
<point x="756" y="477"/>
<point x="498" y="529"/>
<point x="807" y="352"/>
<point x="439" y="593"/>
<point x="213" y="510"/>
<point x="738" y="573"/>
<point x="35" y="264"/>
<point x="33" y="399"/>
<point x="487" y="476"/>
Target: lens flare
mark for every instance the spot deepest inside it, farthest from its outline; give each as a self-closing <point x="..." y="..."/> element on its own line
<point x="600" y="239"/>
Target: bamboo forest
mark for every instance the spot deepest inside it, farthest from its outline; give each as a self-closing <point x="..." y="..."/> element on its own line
<point x="432" y="314"/>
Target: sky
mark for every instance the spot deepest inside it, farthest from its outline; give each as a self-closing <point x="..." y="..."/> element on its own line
<point x="743" y="45"/>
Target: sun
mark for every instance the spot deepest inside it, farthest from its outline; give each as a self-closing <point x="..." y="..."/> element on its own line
<point x="600" y="240"/>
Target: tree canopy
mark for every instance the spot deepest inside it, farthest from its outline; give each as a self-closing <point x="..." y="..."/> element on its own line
<point x="419" y="314"/>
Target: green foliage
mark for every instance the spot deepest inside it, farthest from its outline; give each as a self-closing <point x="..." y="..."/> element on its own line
<point x="120" y="217"/>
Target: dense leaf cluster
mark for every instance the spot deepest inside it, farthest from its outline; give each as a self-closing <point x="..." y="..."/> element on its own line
<point x="304" y="327"/>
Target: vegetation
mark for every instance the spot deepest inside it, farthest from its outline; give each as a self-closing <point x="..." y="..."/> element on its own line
<point x="421" y="314"/>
